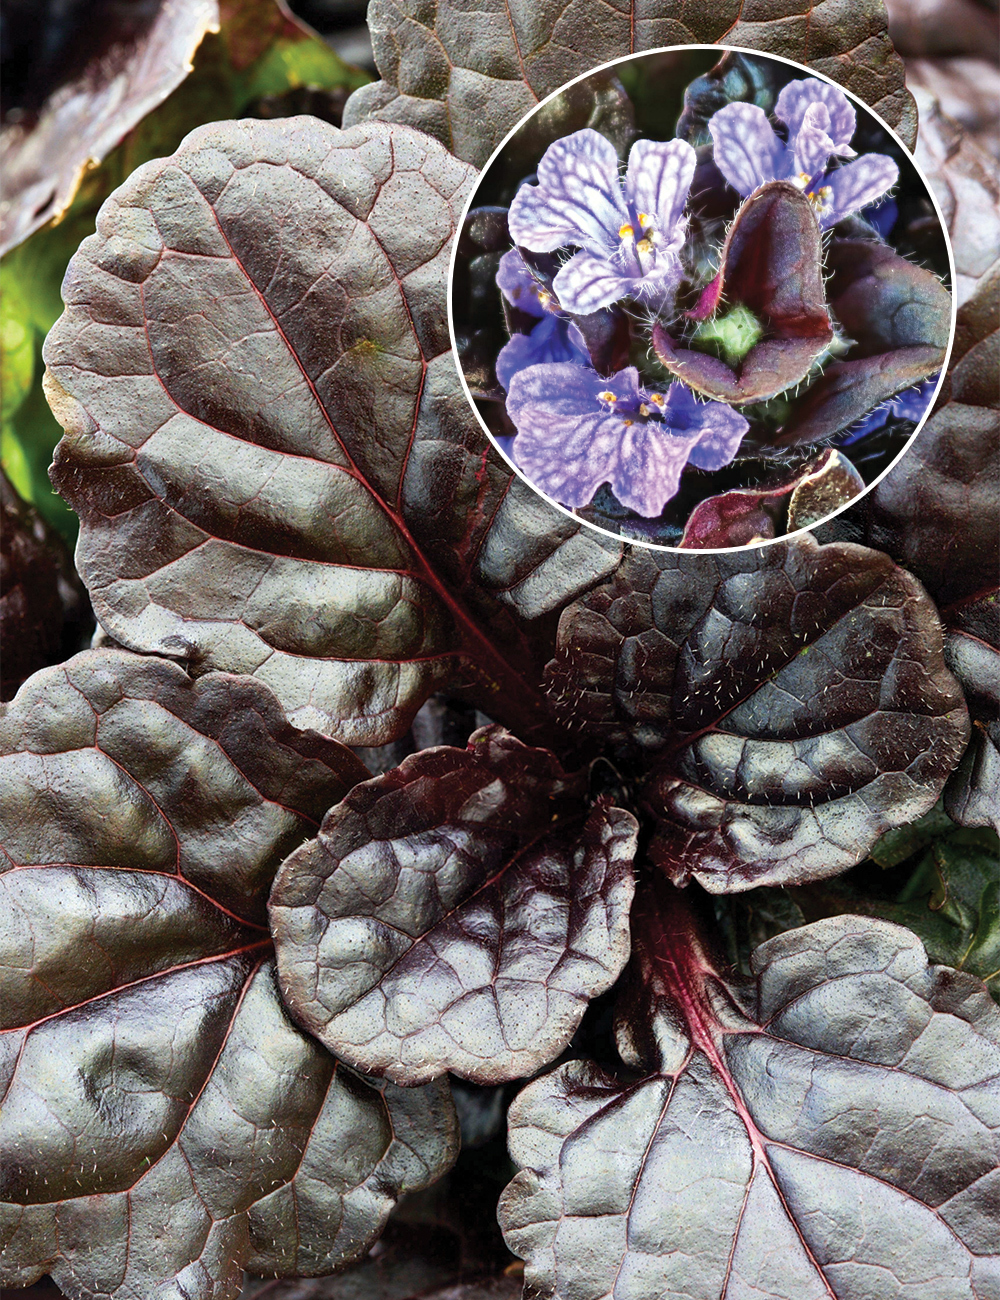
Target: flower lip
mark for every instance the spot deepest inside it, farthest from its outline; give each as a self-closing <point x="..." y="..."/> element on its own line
<point x="577" y="430"/>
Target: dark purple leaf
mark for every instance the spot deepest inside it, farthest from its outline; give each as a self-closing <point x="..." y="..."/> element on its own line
<point x="935" y="511"/>
<point x="772" y="263"/>
<point x="785" y="706"/>
<point x="405" y="1262"/>
<point x="794" y="501"/>
<point x="405" y="1281"/>
<point x="44" y="611"/>
<point x="899" y="318"/>
<point x="456" y="914"/>
<point x="135" y="55"/>
<point x="275" y="466"/>
<point x="972" y="796"/>
<point x="772" y="1148"/>
<point x="468" y="75"/>
<point x="188" y="1127"/>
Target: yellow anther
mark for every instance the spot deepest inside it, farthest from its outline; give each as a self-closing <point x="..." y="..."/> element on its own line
<point x="644" y="246"/>
<point x="626" y="232"/>
<point x="544" y="297"/>
<point x="626" y="423"/>
<point x="645" y="410"/>
<point x="658" y="398"/>
<point x="645" y="220"/>
<point x="607" y="396"/>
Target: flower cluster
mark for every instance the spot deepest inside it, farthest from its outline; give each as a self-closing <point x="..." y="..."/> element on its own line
<point x="622" y="240"/>
<point x="820" y="122"/>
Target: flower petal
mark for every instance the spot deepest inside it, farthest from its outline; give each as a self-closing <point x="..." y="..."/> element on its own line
<point x="587" y="283"/>
<point x="658" y="180"/>
<point x="796" y="98"/>
<point x="649" y="464"/>
<point x="577" y="200"/>
<point x="715" y="426"/>
<point x="812" y="142"/>
<point x="859" y="183"/>
<point x="567" y="442"/>
<point x="551" y="340"/>
<point x="747" y="151"/>
<point x="721" y="435"/>
<point x="518" y="285"/>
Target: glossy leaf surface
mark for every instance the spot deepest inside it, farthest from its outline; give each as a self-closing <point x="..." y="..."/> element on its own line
<point x="467" y="76"/>
<point x="189" y="1128"/>
<point x="788" y="705"/>
<point x="772" y="264"/>
<point x="220" y="371"/>
<point x="456" y="914"/>
<point x="771" y="1148"/>
<point x="964" y="179"/>
<point x="935" y="511"/>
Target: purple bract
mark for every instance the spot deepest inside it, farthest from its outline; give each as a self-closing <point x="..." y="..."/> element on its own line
<point x="554" y="338"/>
<point x="820" y="122"/>
<point x="577" y="430"/>
<point x="629" y="232"/>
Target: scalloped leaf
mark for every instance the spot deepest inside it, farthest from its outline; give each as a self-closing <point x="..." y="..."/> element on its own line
<point x="467" y="75"/>
<point x="189" y="1129"/>
<point x="276" y="469"/>
<point x="783" y="707"/>
<point x="771" y="1148"/>
<point x="456" y="914"/>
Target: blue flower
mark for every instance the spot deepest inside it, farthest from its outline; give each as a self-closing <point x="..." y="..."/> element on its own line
<point x="911" y="404"/>
<point x="577" y="430"/>
<point x="554" y="338"/>
<point x="820" y="122"/>
<point x="629" y="234"/>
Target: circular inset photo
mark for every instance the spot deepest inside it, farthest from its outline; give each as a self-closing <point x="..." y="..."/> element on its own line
<point x="701" y="300"/>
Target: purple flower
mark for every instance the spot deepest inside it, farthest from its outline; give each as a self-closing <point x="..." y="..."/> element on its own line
<point x="554" y="338"/>
<point x="577" y="430"/>
<point x="820" y="122"/>
<point x="629" y="235"/>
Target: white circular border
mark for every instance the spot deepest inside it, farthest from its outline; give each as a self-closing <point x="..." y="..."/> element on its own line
<point x="636" y="541"/>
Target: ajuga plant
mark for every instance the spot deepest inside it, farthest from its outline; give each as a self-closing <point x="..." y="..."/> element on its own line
<point x="710" y="867"/>
<point x="688" y="339"/>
